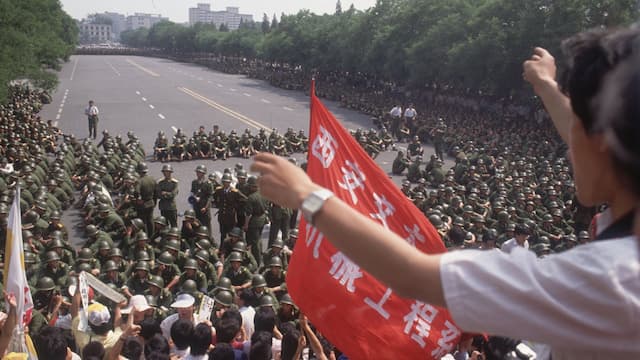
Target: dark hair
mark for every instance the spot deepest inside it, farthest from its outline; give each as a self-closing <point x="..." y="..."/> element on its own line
<point x="149" y="327"/>
<point x="260" y="345"/>
<point x="226" y="330"/>
<point x="521" y="229"/>
<point x="232" y="314"/>
<point x="222" y="351"/>
<point x="590" y="56"/>
<point x="94" y="349"/>
<point x="156" y="344"/>
<point x="290" y="344"/>
<point x="457" y="236"/>
<point x="201" y="339"/>
<point x="101" y="329"/>
<point x="181" y="332"/>
<point x="158" y="355"/>
<point x="264" y="319"/>
<point x="52" y="342"/>
<point x="619" y="117"/>
<point x="132" y="348"/>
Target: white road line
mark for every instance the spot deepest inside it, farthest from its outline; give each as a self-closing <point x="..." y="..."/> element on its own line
<point x="245" y="94"/>
<point x="151" y="106"/>
<point x="144" y="99"/>
<point x="66" y="91"/>
<point x="137" y="92"/>
<point x="209" y="81"/>
<point x="161" y="116"/>
<point x="59" y="110"/>
<point x="112" y="68"/>
<point x="58" y="117"/>
<point x="265" y="101"/>
<point x="232" y="89"/>
<point x="287" y="108"/>
<point x="75" y="65"/>
<point x="200" y="79"/>
<point x="219" y="85"/>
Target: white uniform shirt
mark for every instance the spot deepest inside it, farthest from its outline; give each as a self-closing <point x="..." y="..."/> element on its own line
<point x="410" y="113"/>
<point x="396" y="111"/>
<point x="584" y="303"/>
<point x="92" y="110"/>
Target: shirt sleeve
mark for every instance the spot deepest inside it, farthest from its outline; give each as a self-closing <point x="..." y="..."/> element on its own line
<point x="588" y="296"/>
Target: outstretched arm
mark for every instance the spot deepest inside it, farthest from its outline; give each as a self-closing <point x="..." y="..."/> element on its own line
<point x="407" y="271"/>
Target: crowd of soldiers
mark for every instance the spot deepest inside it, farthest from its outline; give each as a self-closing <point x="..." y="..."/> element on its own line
<point x="510" y="175"/>
<point x="218" y="145"/>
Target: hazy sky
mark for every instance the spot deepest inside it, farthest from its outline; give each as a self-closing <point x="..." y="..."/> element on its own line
<point x="178" y="10"/>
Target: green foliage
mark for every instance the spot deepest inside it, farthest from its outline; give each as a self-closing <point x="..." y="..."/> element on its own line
<point x="469" y="44"/>
<point x="36" y="36"/>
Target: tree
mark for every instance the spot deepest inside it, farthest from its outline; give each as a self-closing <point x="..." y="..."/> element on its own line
<point x="223" y="27"/>
<point x="338" y="8"/>
<point x="265" y="23"/>
<point x="274" y="22"/>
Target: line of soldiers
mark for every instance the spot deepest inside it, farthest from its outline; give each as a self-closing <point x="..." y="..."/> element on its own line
<point x="218" y="145"/>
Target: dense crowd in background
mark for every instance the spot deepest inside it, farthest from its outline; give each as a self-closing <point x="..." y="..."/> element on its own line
<point x="510" y="183"/>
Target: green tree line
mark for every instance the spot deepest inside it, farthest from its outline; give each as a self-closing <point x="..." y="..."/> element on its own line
<point x="469" y="44"/>
<point x="35" y="36"/>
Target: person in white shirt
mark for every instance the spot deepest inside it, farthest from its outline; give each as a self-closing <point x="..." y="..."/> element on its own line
<point x="584" y="302"/>
<point x="92" y="115"/>
<point x="396" y="121"/>
<point x="520" y="239"/>
<point x="184" y="306"/>
<point x="410" y="115"/>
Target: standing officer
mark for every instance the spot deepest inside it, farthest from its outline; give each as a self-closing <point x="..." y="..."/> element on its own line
<point x="92" y="115"/>
<point x="146" y="197"/>
<point x="166" y="192"/>
<point x="200" y="197"/>
<point x="227" y="199"/>
<point x="255" y="211"/>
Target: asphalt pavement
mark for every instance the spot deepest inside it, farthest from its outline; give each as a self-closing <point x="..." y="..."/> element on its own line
<point x="147" y="95"/>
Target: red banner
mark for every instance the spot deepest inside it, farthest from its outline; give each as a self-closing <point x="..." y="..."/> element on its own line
<point x="359" y="315"/>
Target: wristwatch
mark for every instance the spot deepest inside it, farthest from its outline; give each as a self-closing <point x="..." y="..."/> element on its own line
<point x="313" y="203"/>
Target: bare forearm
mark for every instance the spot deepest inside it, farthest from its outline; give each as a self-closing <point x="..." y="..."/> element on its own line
<point x="406" y="270"/>
<point x="558" y="106"/>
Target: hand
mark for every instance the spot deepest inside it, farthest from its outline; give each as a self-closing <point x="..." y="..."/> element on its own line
<point x="540" y="69"/>
<point x="282" y="182"/>
<point x="304" y="322"/>
<point x="10" y="298"/>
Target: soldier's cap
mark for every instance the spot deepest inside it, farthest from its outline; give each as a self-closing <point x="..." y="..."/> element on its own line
<point x="137" y="302"/>
<point x="183" y="301"/>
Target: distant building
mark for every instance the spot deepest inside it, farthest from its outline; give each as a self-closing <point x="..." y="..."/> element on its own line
<point x="91" y="33"/>
<point x="231" y="17"/>
<point x="118" y="23"/>
<point x="140" y="20"/>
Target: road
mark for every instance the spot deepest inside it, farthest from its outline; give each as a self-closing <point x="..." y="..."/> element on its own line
<point x="147" y="95"/>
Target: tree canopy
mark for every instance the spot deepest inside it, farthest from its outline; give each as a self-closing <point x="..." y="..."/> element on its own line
<point x="36" y="36"/>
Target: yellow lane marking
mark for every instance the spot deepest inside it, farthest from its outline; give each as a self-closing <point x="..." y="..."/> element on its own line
<point x="142" y="68"/>
<point x="253" y="123"/>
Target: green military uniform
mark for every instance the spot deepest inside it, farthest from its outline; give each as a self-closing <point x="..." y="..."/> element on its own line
<point x="201" y="194"/>
<point x="113" y="225"/>
<point x="255" y="210"/>
<point x="167" y="190"/>
<point x="146" y="202"/>
<point x="280" y="221"/>
<point x="228" y="201"/>
<point x="238" y="278"/>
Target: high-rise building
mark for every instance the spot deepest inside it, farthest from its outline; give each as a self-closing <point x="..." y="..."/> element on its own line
<point x="140" y="20"/>
<point x="91" y="33"/>
<point x="118" y="23"/>
<point x="231" y="16"/>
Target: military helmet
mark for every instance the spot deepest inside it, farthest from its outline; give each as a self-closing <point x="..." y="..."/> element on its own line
<point x="142" y="256"/>
<point x="201" y="169"/>
<point x="51" y="256"/>
<point x="85" y="254"/>
<point x="458" y="221"/>
<point x="104" y="245"/>
<point x="142" y="168"/>
<point x="241" y="174"/>
<point x="137" y="223"/>
<point x="224" y="284"/>
<point x="275" y="261"/>
<point x="583" y="235"/>
<point x="266" y="301"/>
<point x="202" y="255"/>
<point x="239" y="246"/>
<point x="191" y="264"/>
<point x="189" y="286"/>
<point x="511" y="227"/>
<point x="55" y="215"/>
<point x="435" y="220"/>
<point x="202" y="231"/>
<point x="142" y="236"/>
<point x="503" y="216"/>
<point x="258" y="281"/>
<point x="236" y="232"/>
<point x="173" y="232"/>
<point x="166" y="258"/>
<point x="156" y="280"/>
<point x="161" y="220"/>
<point x="151" y="300"/>
<point x="492" y="234"/>
<point x="167" y="167"/>
<point x="110" y="265"/>
<point x="286" y="299"/>
<point x="45" y="283"/>
<point x="103" y="208"/>
<point x="467" y="208"/>
<point x="142" y="265"/>
<point x="293" y="233"/>
<point x="172" y="244"/>
<point x="226" y="178"/>
<point x="189" y="213"/>
<point x="26" y="234"/>
<point x="115" y="252"/>
<point x="55" y="244"/>
<point x="30" y="258"/>
<point x="204" y="244"/>
<point x="277" y="243"/>
<point x="234" y="256"/>
<point x="224" y="298"/>
<point x="252" y="180"/>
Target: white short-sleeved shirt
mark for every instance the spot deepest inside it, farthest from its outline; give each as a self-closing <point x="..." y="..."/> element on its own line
<point x="584" y="303"/>
<point x="511" y="244"/>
